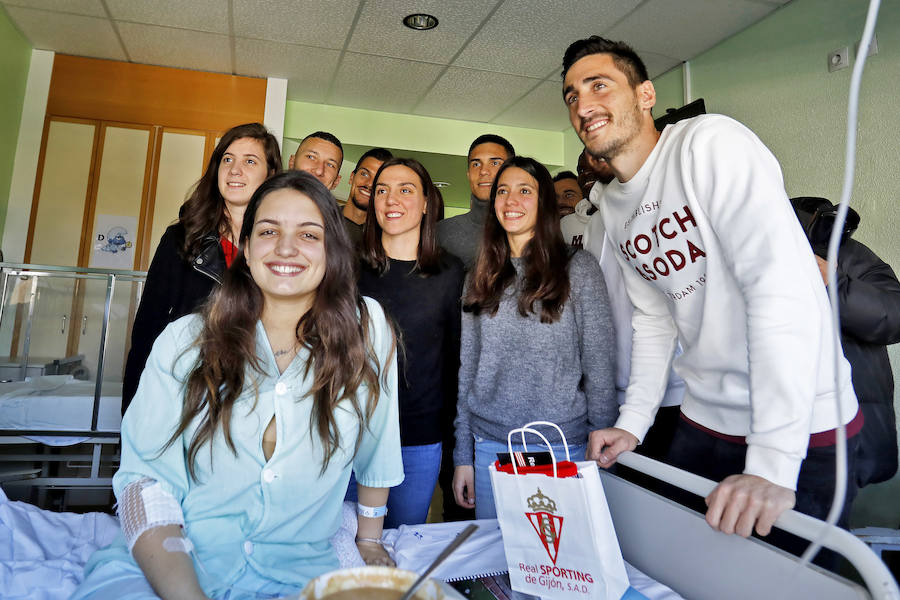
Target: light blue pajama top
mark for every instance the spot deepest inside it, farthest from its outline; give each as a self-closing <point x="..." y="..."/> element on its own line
<point x="274" y="517"/>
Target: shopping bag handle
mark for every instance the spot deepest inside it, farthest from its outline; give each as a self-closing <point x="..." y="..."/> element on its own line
<point x="522" y="430"/>
<point x="549" y="424"/>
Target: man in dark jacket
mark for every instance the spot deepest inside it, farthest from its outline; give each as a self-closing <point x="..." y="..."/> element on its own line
<point x="869" y="307"/>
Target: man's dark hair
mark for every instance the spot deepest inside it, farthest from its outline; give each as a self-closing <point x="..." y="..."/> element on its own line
<point x="564" y="175"/>
<point x="328" y="137"/>
<point x="492" y="138"/>
<point x="624" y="57"/>
<point x="379" y="154"/>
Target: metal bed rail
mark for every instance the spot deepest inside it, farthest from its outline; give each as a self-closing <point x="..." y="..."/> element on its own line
<point x="97" y="438"/>
<point x="738" y="557"/>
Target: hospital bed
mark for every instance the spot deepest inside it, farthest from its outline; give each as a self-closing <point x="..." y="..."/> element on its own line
<point x="62" y="431"/>
<point x="674" y="545"/>
<point x="670" y="551"/>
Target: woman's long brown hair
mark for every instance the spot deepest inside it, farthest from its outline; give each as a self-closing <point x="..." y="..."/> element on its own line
<point x="335" y="330"/>
<point x="204" y="211"/>
<point x="428" y="254"/>
<point x="545" y="256"/>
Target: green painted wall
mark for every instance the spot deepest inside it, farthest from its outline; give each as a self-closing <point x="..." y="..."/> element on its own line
<point x="440" y="144"/>
<point x="773" y="77"/>
<point x="413" y="132"/>
<point x="669" y="91"/>
<point x="572" y="145"/>
<point x="15" y="56"/>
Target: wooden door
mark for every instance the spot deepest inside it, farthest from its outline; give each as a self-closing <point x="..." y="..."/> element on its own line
<point x="62" y="192"/>
<point x="179" y="164"/>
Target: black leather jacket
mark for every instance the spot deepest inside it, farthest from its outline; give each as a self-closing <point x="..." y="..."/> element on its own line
<point x="869" y="297"/>
<point x="175" y="287"/>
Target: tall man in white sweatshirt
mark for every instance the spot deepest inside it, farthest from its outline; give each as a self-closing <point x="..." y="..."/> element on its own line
<point x="712" y="257"/>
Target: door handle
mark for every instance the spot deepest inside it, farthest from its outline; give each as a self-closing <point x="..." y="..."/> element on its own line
<point x="84" y="325"/>
<point x="63" y="328"/>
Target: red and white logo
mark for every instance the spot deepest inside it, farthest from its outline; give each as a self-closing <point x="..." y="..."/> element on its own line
<point x="546" y="523"/>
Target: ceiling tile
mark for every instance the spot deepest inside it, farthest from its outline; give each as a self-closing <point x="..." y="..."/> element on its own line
<point x="68" y="34"/>
<point x="657" y="64"/>
<point x="380" y="29"/>
<point x="542" y="108"/>
<point x="91" y="8"/>
<point x="180" y="48"/>
<point x="529" y="37"/>
<point x="382" y="83"/>
<point x="308" y="70"/>
<point x="685" y="29"/>
<point x="201" y="15"/>
<point x="305" y="22"/>
<point x="472" y="95"/>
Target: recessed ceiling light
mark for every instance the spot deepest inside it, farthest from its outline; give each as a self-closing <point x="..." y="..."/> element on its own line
<point x="420" y="21"/>
<point x="441" y="184"/>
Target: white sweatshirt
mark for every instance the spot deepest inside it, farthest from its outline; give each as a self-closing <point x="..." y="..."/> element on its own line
<point x="712" y="253"/>
<point x="572" y="226"/>
<point x="597" y="243"/>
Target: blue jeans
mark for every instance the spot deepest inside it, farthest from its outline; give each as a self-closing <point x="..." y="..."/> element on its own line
<point x="485" y="455"/>
<point x="408" y="502"/>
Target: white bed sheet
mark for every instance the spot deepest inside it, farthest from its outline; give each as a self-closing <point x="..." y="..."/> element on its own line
<point x="42" y="553"/>
<point x="58" y="403"/>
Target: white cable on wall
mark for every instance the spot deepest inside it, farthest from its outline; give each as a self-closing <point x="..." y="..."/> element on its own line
<point x="686" y="83"/>
<point x="840" y="488"/>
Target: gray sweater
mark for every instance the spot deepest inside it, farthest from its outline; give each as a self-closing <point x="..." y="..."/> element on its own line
<point x="515" y="369"/>
<point x="461" y="235"/>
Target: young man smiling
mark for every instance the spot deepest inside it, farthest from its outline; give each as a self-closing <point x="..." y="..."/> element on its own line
<point x="568" y="192"/>
<point x="460" y="235"/>
<point x="712" y="256"/>
<point x="361" y="191"/>
<point x="320" y="154"/>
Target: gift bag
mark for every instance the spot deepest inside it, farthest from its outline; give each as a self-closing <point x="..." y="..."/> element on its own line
<point x="558" y="535"/>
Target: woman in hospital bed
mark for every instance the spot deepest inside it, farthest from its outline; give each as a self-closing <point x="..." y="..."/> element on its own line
<point x="249" y="417"/>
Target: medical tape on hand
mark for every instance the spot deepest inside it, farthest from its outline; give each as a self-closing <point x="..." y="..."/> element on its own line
<point x="178" y="544"/>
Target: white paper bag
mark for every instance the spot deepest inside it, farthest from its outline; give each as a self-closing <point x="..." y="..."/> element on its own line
<point x="557" y="533"/>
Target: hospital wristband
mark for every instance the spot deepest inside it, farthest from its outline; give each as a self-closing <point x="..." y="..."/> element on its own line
<point x="371" y="512"/>
<point x="369" y="541"/>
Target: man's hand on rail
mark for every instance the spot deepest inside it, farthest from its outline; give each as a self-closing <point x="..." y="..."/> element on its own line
<point x="605" y="445"/>
<point x="741" y="501"/>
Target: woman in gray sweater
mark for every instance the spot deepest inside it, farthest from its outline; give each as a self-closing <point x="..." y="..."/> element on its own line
<point x="537" y="336"/>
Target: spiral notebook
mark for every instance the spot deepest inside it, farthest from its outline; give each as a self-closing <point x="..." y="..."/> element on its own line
<point x="414" y="547"/>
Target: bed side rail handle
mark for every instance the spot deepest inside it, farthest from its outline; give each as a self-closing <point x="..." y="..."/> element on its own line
<point x="878" y="579"/>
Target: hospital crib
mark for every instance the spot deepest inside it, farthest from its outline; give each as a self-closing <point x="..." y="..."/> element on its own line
<point x="64" y="334"/>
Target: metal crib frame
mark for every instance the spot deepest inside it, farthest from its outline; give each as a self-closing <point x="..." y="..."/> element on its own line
<point x="95" y="437"/>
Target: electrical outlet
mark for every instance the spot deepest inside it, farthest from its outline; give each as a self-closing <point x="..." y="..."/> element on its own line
<point x="839" y="59"/>
<point x="873" y="47"/>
